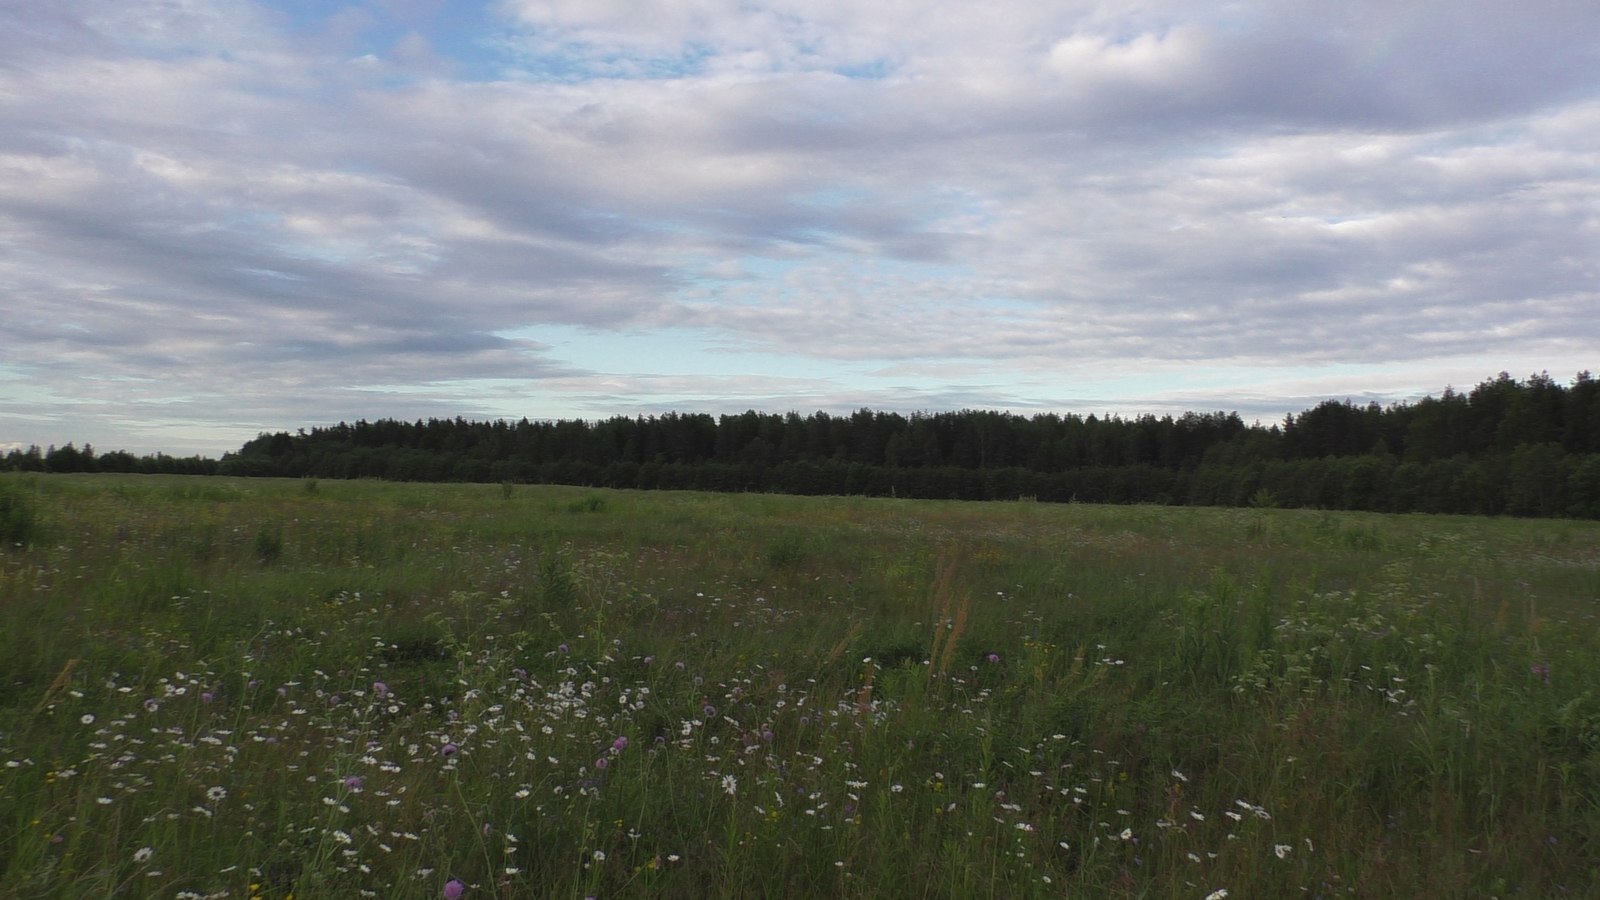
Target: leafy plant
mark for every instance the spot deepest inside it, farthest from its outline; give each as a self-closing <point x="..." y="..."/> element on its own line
<point x="18" y="515"/>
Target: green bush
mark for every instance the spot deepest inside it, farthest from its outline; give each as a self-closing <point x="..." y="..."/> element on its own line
<point x="269" y="544"/>
<point x="18" y="518"/>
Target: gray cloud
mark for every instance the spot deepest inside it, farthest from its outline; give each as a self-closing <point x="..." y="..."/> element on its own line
<point x="214" y="220"/>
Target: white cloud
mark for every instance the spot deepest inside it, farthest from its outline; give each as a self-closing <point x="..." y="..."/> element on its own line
<point x="203" y="208"/>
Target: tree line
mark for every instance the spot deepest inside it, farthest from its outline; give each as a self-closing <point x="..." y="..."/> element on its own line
<point x="1508" y="446"/>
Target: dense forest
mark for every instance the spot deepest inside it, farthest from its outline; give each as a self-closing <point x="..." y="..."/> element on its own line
<point x="1529" y="447"/>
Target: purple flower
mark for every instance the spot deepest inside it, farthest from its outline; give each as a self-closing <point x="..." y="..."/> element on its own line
<point x="681" y="667"/>
<point x="994" y="657"/>
<point x="205" y="697"/>
<point x="283" y="691"/>
<point x="449" y="749"/>
<point x="353" y="782"/>
<point x="601" y="763"/>
<point x="766" y="735"/>
<point x="563" y="648"/>
<point x="254" y="683"/>
<point x="709" y="710"/>
<point x="805" y="720"/>
<point x="381" y="689"/>
<point x="619" y="745"/>
<point x="334" y="700"/>
<point x="649" y="659"/>
<point x="453" y="889"/>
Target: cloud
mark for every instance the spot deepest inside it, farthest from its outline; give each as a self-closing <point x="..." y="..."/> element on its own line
<point x="216" y="211"/>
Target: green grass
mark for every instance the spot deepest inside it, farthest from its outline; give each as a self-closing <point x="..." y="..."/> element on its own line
<point x="820" y="696"/>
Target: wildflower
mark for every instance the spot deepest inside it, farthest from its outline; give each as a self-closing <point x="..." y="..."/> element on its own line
<point x="710" y="710"/>
<point x="216" y="793"/>
<point x="994" y="657"/>
<point x="681" y="667"/>
<point x="143" y="854"/>
<point x="1197" y="815"/>
<point x="601" y="763"/>
<point x="730" y="785"/>
<point x="672" y="857"/>
<point x="1127" y="834"/>
<point x="353" y="782"/>
<point x="1218" y="894"/>
<point x="1282" y="850"/>
<point x="449" y="750"/>
<point x="104" y="801"/>
<point x="453" y="889"/>
<point x="563" y="648"/>
<point x="599" y="856"/>
<point x="206" y="697"/>
<point x="1179" y="775"/>
<point x="87" y="718"/>
<point x="766" y="735"/>
<point x="619" y="745"/>
<point x="381" y="690"/>
<point x="151" y="706"/>
<point x="649" y="659"/>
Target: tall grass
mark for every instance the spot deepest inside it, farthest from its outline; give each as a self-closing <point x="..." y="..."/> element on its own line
<point x="252" y="689"/>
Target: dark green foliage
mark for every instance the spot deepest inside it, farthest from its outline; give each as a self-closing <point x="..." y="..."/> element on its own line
<point x="788" y="550"/>
<point x="588" y="503"/>
<point x="1525" y="448"/>
<point x="556" y="587"/>
<point x="268" y="544"/>
<point x="414" y="649"/>
<point x="18" y="518"/>
<point x="71" y="459"/>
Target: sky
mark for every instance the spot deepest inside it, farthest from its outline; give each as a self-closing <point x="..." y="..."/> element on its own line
<point x="222" y="217"/>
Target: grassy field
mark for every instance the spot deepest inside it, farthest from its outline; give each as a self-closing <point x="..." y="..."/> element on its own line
<point x="261" y="688"/>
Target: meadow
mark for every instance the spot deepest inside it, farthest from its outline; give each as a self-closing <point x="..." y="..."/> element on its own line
<point x="243" y="688"/>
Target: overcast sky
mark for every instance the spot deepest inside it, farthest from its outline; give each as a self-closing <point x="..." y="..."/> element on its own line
<point x="219" y="217"/>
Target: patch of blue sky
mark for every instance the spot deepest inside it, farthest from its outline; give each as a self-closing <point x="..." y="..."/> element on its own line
<point x="570" y="63"/>
<point x="870" y="70"/>
<point x="469" y="33"/>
